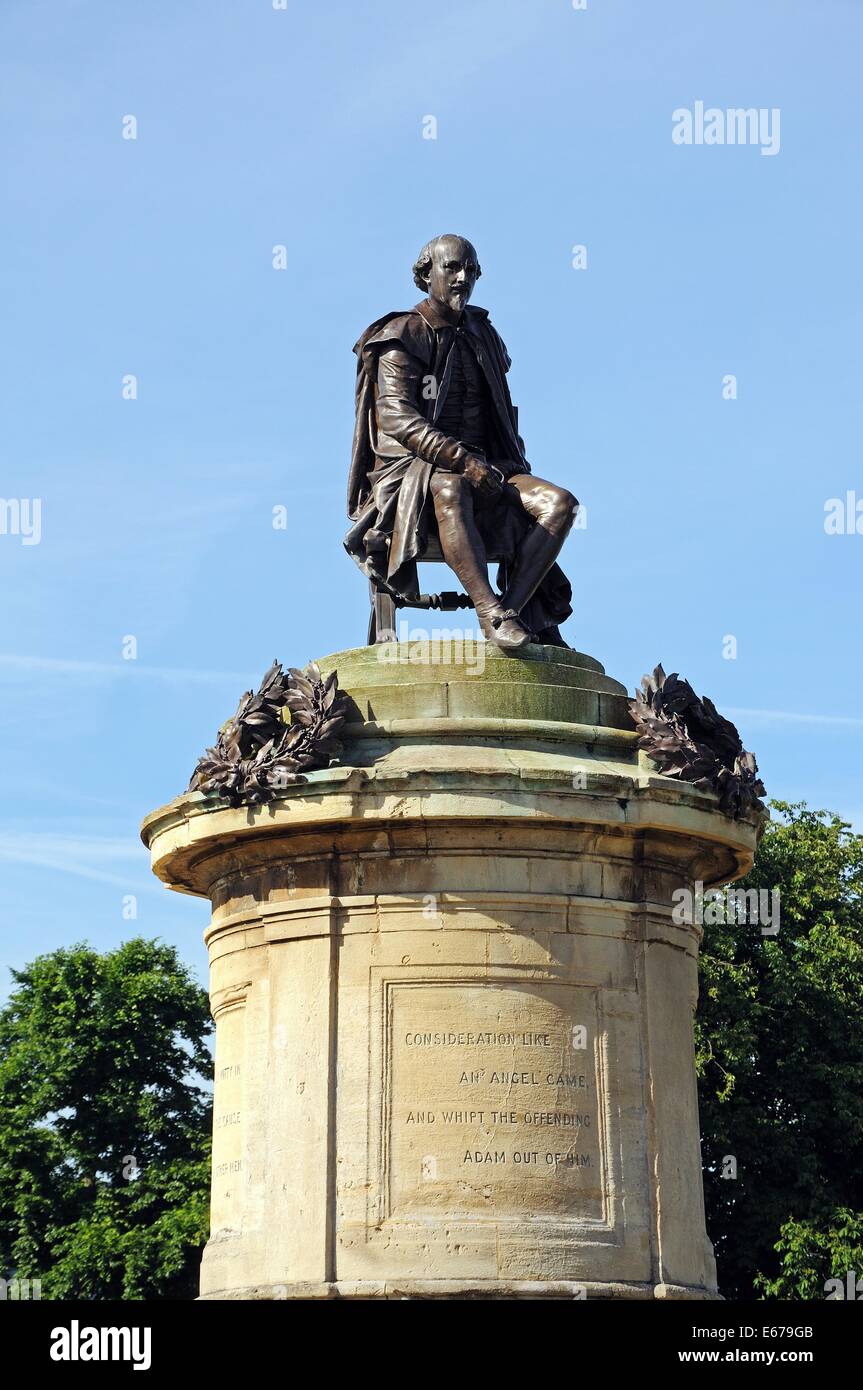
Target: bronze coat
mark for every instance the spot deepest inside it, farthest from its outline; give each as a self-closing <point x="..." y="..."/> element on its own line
<point x="393" y="458"/>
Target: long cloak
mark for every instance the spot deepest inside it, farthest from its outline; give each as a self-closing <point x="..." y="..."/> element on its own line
<point x="389" y="500"/>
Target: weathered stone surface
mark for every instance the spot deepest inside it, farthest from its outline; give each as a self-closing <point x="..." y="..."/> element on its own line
<point x="454" y="1014"/>
<point x="465" y="679"/>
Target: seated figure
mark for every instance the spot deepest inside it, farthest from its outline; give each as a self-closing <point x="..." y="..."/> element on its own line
<point x="437" y="449"/>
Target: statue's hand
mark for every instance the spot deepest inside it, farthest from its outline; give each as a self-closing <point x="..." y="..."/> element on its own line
<point x="482" y="476"/>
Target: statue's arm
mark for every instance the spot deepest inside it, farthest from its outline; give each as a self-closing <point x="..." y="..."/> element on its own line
<point x="400" y="379"/>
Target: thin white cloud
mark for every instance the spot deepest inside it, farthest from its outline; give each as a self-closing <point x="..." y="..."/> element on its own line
<point x="85" y="856"/>
<point x="120" y="670"/>
<point x="782" y="716"/>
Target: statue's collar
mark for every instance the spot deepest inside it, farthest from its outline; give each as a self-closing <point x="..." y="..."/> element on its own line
<point x="435" y="318"/>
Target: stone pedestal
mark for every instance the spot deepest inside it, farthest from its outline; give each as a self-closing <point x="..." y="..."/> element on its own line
<point x="453" y="1012"/>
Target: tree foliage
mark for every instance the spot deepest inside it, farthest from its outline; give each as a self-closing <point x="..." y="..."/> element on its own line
<point x="779" y="1047"/>
<point x="104" y="1128"/>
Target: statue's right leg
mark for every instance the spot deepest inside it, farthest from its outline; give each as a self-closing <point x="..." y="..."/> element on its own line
<point x="464" y="552"/>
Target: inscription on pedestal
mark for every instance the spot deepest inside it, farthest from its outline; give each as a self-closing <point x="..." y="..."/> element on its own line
<point x="226" y="1202"/>
<point x="493" y="1101"/>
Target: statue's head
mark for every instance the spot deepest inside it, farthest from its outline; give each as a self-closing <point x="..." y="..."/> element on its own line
<point x="447" y="269"/>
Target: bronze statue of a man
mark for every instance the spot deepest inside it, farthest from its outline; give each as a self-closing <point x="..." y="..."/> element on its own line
<point x="437" y="448"/>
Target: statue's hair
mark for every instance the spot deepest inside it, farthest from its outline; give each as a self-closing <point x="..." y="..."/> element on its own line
<point x="423" y="262"/>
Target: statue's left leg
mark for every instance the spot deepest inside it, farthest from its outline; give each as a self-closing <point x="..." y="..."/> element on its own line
<point x="553" y="510"/>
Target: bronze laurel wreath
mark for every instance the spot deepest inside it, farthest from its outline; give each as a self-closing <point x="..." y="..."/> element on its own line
<point x="257" y="753"/>
<point x="688" y="738"/>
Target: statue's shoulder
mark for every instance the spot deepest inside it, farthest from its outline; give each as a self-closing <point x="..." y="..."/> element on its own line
<point x="480" y="324"/>
<point x="404" y="328"/>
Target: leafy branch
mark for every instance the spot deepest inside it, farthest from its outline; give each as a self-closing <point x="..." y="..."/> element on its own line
<point x="258" y="753"/>
<point x="688" y="738"/>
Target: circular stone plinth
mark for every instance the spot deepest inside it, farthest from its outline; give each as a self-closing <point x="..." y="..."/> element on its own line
<point x="464" y="679"/>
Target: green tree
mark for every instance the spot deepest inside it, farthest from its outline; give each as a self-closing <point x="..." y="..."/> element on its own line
<point x="779" y="1046"/>
<point x="104" y="1129"/>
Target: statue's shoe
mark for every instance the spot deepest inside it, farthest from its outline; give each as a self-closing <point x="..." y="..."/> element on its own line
<point x="504" y="627"/>
<point x="550" y="637"/>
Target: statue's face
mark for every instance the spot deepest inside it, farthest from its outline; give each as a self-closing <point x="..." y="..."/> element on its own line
<point x="453" y="273"/>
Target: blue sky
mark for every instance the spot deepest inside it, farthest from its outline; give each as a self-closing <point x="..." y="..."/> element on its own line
<point x="304" y="127"/>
